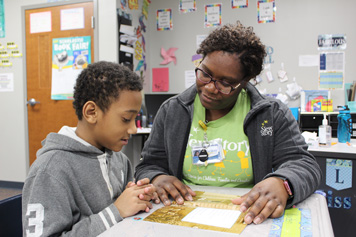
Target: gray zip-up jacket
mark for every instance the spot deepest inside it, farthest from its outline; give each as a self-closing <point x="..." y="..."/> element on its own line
<point x="277" y="148"/>
<point x="71" y="188"/>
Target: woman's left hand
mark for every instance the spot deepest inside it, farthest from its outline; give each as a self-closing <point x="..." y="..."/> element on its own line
<point x="266" y="199"/>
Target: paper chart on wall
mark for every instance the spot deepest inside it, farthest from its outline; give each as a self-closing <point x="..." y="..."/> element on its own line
<point x="331" y="72"/>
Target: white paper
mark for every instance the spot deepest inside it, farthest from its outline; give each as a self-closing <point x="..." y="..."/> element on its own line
<point x="187" y="4"/>
<point x="335" y="61"/>
<point x="6" y="82"/>
<point x="64" y="81"/>
<point x="126" y="29"/>
<point x="164" y="19"/>
<point x="266" y="11"/>
<point x="40" y="22"/>
<point x="237" y="3"/>
<point x="127" y="49"/>
<point x="269" y="76"/>
<point x="214" y="217"/>
<point x="189" y="78"/>
<point x="72" y="19"/>
<point x="200" y="39"/>
<point x="308" y="60"/>
<point x="213" y="15"/>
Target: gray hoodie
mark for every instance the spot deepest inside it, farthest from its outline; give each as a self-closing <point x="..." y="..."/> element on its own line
<point x="277" y="148"/>
<point x="71" y="188"/>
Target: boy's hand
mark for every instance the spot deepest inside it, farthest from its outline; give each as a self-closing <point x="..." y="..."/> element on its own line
<point x="145" y="181"/>
<point x="154" y="194"/>
<point x="134" y="199"/>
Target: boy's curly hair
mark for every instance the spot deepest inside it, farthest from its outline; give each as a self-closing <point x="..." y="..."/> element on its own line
<point x="102" y="82"/>
<point x="240" y="40"/>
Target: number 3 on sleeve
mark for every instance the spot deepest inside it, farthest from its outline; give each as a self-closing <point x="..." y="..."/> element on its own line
<point x="36" y="219"/>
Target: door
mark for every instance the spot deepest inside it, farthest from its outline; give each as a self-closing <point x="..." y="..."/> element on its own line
<point x="46" y="115"/>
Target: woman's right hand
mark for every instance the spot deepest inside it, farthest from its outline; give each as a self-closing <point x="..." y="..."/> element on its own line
<point x="169" y="185"/>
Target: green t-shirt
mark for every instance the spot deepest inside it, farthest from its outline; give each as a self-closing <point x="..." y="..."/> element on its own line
<point x="236" y="169"/>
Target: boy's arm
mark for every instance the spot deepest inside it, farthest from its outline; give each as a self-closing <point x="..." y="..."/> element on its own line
<point x="50" y="209"/>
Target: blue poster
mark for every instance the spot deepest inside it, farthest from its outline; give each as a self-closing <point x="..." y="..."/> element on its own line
<point x="69" y="57"/>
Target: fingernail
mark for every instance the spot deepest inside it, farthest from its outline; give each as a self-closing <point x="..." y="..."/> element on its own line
<point x="257" y="220"/>
<point x="248" y="219"/>
<point x="190" y="198"/>
<point x="243" y="208"/>
<point x="166" y="203"/>
<point x="180" y="201"/>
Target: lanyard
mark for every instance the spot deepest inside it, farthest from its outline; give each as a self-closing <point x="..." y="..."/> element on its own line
<point x="203" y="155"/>
<point x="205" y="128"/>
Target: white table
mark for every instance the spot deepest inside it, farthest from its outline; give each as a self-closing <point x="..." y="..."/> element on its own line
<point x="130" y="227"/>
<point x="343" y="148"/>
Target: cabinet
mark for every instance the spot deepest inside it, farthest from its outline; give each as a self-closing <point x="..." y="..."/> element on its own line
<point x="338" y="164"/>
<point x="310" y="121"/>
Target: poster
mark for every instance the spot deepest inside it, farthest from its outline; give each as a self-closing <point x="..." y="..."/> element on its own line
<point x="164" y="19"/>
<point x="239" y="3"/>
<point x="160" y="79"/>
<point x="266" y="11"/>
<point x="212" y="15"/>
<point x="331" y="71"/>
<point x="187" y="6"/>
<point x="69" y="57"/>
<point x="332" y="42"/>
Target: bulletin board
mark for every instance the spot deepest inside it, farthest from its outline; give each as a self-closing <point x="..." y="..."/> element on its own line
<point x="291" y="33"/>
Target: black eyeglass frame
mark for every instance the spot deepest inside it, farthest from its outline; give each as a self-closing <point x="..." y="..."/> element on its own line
<point x="215" y="81"/>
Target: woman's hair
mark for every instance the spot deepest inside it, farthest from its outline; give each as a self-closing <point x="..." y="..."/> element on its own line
<point x="240" y="40"/>
<point x="101" y="82"/>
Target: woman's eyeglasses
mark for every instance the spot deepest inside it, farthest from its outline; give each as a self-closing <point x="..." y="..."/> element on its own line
<point x="222" y="86"/>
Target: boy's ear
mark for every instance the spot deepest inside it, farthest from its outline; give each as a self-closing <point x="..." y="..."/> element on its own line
<point x="90" y="112"/>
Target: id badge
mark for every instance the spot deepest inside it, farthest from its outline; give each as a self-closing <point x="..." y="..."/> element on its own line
<point x="208" y="153"/>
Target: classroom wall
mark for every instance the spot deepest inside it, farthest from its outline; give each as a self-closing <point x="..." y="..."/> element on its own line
<point x="294" y="33"/>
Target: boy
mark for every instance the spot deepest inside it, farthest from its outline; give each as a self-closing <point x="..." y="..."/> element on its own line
<point x="76" y="186"/>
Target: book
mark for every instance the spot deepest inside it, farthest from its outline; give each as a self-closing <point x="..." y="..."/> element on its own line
<point x="210" y="211"/>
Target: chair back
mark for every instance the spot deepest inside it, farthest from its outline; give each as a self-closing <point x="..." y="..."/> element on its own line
<point x="11" y="216"/>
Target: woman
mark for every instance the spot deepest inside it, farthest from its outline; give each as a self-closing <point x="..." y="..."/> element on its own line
<point x="255" y="140"/>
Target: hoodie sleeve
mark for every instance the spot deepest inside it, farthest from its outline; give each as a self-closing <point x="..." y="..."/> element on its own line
<point x="291" y="159"/>
<point x="49" y="209"/>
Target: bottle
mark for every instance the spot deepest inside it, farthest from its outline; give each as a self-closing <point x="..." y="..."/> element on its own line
<point x="143" y="112"/>
<point x="144" y="121"/>
<point x="344" y="127"/>
<point x="138" y="120"/>
<point x="150" y="120"/>
<point x="325" y="133"/>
